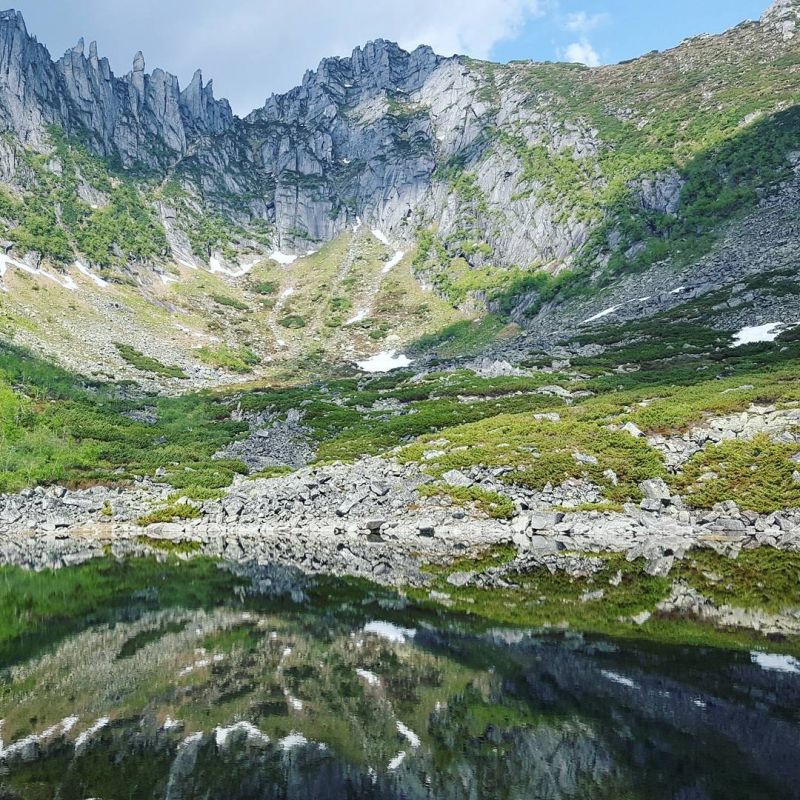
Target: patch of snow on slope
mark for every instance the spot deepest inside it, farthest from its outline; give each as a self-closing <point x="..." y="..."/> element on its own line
<point x="393" y="261"/>
<point x="384" y="362"/>
<point x="282" y="258"/>
<point x="84" y="270"/>
<point x="773" y="662"/>
<point x="605" y="313"/>
<point x="380" y="236"/>
<point x="66" y="282"/>
<point x="758" y="333"/>
<point x="358" y="224"/>
<point x="361" y="314"/>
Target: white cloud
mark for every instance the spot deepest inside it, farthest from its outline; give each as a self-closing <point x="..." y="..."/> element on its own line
<point x="581" y="22"/>
<point x="582" y="52"/>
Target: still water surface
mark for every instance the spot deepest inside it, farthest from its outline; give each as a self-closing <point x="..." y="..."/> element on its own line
<point x="364" y="699"/>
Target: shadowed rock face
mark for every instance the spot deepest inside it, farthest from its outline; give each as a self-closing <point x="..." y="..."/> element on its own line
<point x="266" y="703"/>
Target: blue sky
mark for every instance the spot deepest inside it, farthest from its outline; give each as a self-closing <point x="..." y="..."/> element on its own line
<point x="620" y="29"/>
<point x="254" y="47"/>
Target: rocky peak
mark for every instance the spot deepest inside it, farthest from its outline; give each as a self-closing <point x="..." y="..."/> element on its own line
<point x="201" y="111"/>
<point x="783" y="16"/>
<point x="377" y="67"/>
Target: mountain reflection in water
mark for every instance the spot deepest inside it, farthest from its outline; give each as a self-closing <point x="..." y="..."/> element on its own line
<point x="236" y="702"/>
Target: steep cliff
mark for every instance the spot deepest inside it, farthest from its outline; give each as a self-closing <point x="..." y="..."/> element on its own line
<point x="503" y="175"/>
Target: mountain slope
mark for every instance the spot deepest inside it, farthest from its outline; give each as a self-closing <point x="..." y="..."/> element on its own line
<point x="527" y="187"/>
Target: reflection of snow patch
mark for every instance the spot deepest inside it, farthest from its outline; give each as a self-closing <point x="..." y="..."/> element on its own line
<point x="396" y="761"/>
<point x="393" y="261"/>
<point x="408" y="734"/>
<point x="191" y="739"/>
<point x="380" y="236"/>
<point x="384" y="362"/>
<point x="390" y="631"/>
<point x="759" y="333"/>
<point x="283" y="258"/>
<point x="295" y="703"/>
<point x="773" y="662"/>
<point x="221" y="735"/>
<point x="293" y="740"/>
<point x="615" y="677"/>
<point x="84" y="270"/>
<point x="370" y="677"/>
<point x="84" y="737"/>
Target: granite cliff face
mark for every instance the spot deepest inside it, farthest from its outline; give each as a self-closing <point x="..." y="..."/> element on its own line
<point x="490" y="167"/>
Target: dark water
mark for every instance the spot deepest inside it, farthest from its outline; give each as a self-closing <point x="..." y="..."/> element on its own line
<point x="365" y="700"/>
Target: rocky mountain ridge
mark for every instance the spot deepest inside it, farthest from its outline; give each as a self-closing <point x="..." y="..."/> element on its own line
<point x="507" y="165"/>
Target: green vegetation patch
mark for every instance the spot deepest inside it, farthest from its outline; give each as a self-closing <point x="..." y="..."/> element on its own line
<point x="234" y="359"/>
<point x="492" y="504"/>
<point x="759" y="475"/>
<point x="170" y="513"/>
<point x="147" y="364"/>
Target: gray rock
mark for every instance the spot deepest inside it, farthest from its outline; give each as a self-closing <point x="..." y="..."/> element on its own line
<point x="456" y="478"/>
<point x="459" y="579"/>
<point x="656" y="489"/>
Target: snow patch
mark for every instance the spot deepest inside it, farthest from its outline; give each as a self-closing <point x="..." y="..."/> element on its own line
<point x="390" y="631"/>
<point x="65" y="282"/>
<point x="605" y="313"/>
<point x="380" y="236"/>
<point x="283" y="258"/>
<point x="360" y="315"/>
<point x="759" y="333"/>
<point x="358" y="224"/>
<point x="773" y="662"/>
<point x="84" y="270"/>
<point x="393" y="261"/>
<point x="384" y="362"/>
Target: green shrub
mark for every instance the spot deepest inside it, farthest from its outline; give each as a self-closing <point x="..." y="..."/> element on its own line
<point x="148" y="364"/>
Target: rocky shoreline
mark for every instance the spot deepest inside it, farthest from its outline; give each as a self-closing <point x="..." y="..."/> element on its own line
<point x="368" y="520"/>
